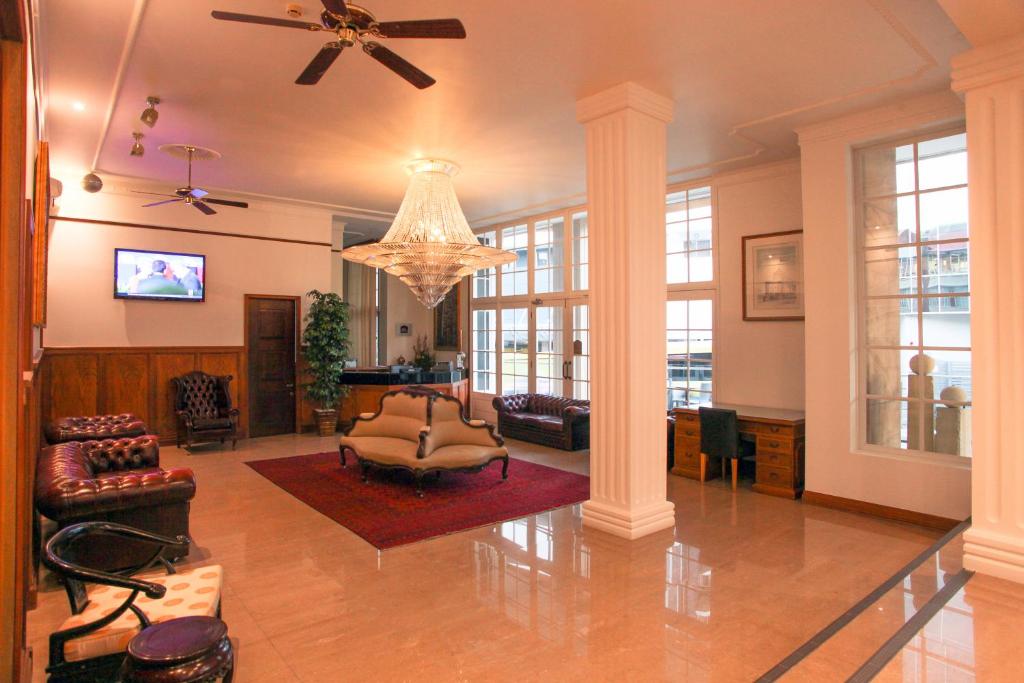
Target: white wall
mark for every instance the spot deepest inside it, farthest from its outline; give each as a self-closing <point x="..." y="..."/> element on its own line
<point x="403" y="307"/>
<point x="756" y="363"/>
<point x="81" y="307"/>
<point x="835" y="463"/>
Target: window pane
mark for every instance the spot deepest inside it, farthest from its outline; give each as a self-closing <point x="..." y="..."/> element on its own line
<point x="887" y="170"/>
<point x="688" y="236"/>
<point x="483" y="358"/>
<point x="887" y="422"/>
<point x="513" y="275"/>
<point x="580" y="252"/>
<point x="890" y="220"/>
<point x="485" y="281"/>
<point x="887" y="371"/>
<point x="888" y="272"/>
<point x="944" y="214"/>
<point x="548" y="359"/>
<point x="891" y="322"/>
<point x="943" y="162"/>
<point x="549" y="255"/>
<point x="515" y="350"/>
<point x="581" y="360"/>
<point x="689" y="350"/>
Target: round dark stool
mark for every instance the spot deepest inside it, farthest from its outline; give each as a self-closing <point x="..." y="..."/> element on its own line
<point x="185" y="650"/>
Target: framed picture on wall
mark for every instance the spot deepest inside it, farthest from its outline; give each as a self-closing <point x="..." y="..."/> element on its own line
<point x="773" y="276"/>
<point x="446" y="322"/>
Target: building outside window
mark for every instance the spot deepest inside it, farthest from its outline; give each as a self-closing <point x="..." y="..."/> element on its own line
<point x="915" y="359"/>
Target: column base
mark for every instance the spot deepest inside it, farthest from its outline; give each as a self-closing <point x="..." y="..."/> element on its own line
<point x="626" y="522"/>
<point x="992" y="554"/>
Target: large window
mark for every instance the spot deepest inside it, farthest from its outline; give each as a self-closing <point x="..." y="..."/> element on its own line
<point x="688" y="332"/>
<point x="514" y="274"/>
<point x="915" y="293"/>
<point x="688" y="236"/>
<point x="515" y="351"/>
<point x="549" y="255"/>
<point x="484" y="352"/>
<point x="485" y="281"/>
<point x="580" y="252"/>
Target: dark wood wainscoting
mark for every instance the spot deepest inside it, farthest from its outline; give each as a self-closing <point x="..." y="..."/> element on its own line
<point x="93" y="381"/>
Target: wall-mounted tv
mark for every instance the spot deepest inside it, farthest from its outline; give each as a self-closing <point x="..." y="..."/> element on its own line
<point x="159" y="275"/>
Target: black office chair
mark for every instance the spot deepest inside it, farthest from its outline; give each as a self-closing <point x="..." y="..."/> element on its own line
<point x="720" y="438"/>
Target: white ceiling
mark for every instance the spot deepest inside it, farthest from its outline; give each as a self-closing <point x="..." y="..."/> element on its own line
<point x="504" y="104"/>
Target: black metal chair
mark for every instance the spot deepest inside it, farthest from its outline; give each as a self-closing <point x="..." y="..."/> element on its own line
<point x="91" y="645"/>
<point x="720" y="438"/>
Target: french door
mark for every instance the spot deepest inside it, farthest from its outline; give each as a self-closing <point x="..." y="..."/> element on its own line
<point x="541" y="346"/>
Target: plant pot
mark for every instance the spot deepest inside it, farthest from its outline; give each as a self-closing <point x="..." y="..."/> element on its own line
<point x="326" y="421"/>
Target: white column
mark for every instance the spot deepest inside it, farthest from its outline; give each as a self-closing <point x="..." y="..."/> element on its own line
<point x="992" y="79"/>
<point x="626" y="169"/>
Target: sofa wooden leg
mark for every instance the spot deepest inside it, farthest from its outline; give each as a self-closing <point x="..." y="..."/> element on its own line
<point x="366" y="472"/>
<point x="419" y="483"/>
<point x="504" y="469"/>
<point x="341" y="455"/>
<point x="234" y="442"/>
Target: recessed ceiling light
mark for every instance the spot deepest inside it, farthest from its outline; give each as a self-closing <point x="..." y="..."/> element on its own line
<point x="78" y="105"/>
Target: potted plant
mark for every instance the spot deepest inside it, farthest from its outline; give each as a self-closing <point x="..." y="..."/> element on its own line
<point x="422" y="356"/>
<point x="325" y="346"/>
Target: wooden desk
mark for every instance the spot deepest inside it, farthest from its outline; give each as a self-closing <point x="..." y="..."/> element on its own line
<point x="780" y="447"/>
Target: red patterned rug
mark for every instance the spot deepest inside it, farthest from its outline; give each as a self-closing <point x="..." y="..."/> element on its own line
<point x="387" y="513"/>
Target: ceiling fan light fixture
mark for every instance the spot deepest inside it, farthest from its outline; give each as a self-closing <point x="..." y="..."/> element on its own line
<point x="137" y="149"/>
<point x="150" y="114"/>
<point x="430" y="246"/>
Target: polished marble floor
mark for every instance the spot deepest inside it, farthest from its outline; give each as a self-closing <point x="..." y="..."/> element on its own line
<point x="740" y="582"/>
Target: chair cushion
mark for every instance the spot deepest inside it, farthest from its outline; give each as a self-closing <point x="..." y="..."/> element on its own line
<point x="462" y="455"/>
<point x="193" y="592"/>
<point x="549" y="423"/>
<point x="385" y="450"/>
<point x="204" y="423"/>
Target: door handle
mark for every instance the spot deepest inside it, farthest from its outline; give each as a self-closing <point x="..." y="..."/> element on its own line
<point x="289" y="386"/>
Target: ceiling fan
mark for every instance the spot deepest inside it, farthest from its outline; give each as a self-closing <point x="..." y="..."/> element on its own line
<point x="354" y="24"/>
<point x="194" y="196"/>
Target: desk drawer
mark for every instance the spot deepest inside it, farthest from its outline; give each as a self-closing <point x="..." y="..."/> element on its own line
<point x="774" y="476"/>
<point x="774" y="444"/>
<point x="687" y="430"/>
<point x="774" y="459"/>
<point x="689" y="418"/>
<point x="783" y="431"/>
<point x="688" y="457"/>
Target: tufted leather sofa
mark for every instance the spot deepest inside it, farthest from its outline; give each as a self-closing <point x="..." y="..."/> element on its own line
<point x="550" y="420"/>
<point x="114" y="480"/>
<point x="203" y="405"/>
<point x="93" y="427"/>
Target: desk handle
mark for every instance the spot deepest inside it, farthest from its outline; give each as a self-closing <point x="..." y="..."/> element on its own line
<point x="690" y="432"/>
<point x="774" y="428"/>
<point x="773" y="444"/>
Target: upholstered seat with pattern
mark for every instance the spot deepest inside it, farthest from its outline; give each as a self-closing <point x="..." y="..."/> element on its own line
<point x="421" y="430"/>
<point x="108" y="609"/>
<point x="203" y="406"/>
<point x="190" y="593"/>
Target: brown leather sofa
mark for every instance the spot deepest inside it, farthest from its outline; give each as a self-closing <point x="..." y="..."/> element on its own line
<point x="94" y="428"/>
<point x="550" y="420"/>
<point x="114" y="480"/>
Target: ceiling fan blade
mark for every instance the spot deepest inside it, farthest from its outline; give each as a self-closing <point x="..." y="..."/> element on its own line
<point x="198" y="192"/>
<point x="203" y="207"/>
<point x="154" y="194"/>
<point x="423" y="28"/>
<point x="226" y="202"/>
<point x="398" y="65"/>
<point x="267" y="21"/>
<point x="166" y="201"/>
<point x="319" y="64"/>
<point x="336" y="6"/>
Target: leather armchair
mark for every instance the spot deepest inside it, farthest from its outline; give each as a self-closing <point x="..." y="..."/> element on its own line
<point x="550" y="420"/>
<point x="115" y="480"/>
<point x="203" y="406"/>
<point x="94" y="427"/>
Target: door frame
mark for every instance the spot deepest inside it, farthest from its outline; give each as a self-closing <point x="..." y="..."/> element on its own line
<point x="298" y="338"/>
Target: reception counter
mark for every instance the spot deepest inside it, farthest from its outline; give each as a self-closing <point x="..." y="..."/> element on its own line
<point x="369" y="384"/>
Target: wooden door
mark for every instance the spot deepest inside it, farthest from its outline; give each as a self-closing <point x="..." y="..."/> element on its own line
<point x="272" y="326"/>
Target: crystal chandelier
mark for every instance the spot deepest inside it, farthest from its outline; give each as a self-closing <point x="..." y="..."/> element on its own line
<point x="429" y="247"/>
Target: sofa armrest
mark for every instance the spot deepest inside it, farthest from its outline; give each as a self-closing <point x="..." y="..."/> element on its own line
<point x="72" y="498"/>
<point x="575" y="415"/>
<point x="514" y="403"/>
<point x="451" y="432"/>
<point x="184" y="417"/>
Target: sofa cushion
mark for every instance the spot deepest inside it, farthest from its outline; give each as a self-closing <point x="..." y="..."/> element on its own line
<point x="190" y="593"/>
<point x="549" y="423"/>
<point x="207" y="423"/>
<point x="385" y="450"/>
<point x="462" y="455"/>
<point x="94" y="427"/>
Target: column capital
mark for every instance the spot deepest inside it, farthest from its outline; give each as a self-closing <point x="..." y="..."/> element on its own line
<point x="627" y="95"/>
<point x="988" y="64"/>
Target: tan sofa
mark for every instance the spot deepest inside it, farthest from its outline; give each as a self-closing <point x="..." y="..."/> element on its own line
<point x="421" y="430"/>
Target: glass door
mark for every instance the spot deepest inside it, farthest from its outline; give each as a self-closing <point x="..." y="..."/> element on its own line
<point x="561" y="348"/>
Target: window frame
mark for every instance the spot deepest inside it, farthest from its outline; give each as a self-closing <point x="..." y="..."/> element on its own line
<point x="859" y="430"/>
<point x="691" y="294"/>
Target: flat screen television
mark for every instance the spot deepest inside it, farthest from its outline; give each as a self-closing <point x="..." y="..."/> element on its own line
<point x="159" y="275"/>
